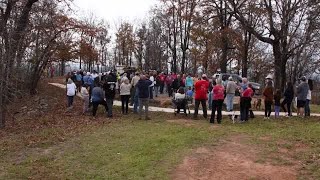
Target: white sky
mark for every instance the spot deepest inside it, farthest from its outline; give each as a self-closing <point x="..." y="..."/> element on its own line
<point x="114" y="10"/>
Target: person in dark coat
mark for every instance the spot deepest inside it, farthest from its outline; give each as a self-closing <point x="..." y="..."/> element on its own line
<point x="143" y="90"/>
<point x="288" y="98"/>
<point x="177" y="83"/>
<point x="110" y="91"/>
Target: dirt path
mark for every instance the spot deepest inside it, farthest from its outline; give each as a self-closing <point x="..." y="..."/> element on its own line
<point x="232" y="159"/>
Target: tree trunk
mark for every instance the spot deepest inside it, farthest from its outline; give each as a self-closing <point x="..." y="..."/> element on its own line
<point x="183" y="63"/>
<point x="174" y="59"/>
<point x="279" y="75"/>
<point x="224" y="58"/>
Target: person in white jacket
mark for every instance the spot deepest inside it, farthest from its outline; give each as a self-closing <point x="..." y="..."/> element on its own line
<point x="71" y="92"/>
<point x="85" y="96"/>
<point x="125" y="93"/>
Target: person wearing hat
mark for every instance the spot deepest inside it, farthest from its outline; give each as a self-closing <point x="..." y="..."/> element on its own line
<point x="302" y="93"/>
<point x="230" y="92"/>
<point x="201" y="96"/>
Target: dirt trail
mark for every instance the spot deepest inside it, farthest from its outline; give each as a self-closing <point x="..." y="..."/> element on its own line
<point x="232" y="160"/>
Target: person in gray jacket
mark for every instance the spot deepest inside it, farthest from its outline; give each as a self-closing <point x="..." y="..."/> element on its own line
<point x="302" y="93"/>
<point x="230" y="92"/>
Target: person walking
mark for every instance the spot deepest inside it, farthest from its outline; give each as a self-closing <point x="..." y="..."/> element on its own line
<point x="85" y="96"/>
<point x="307" y="106"/>
<point x="98" y="97"/>
<point x="288" y="98"/>
<point x="71" y="92"/>
<point x="268" y="100"/>
<point x="125" y="88"/>
<point x="143" y="89"/>
<point x="201" y="96"/>
<point x="230" y="92"/>
<point x="218" y="98"/>
<point x="277" y="104"/>
<point x="302" y="94"/>
<point x="110" y="91"/>
<point x="78" y="81"/>
<point x="245" y="103"/>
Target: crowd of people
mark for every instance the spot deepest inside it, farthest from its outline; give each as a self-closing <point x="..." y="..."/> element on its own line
<point x="137" y="89"/>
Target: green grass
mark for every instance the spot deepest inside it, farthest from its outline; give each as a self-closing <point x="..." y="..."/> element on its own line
<point x="315" y="108"/>
<point x="132" y="149"/>
<point x="122" y="150"/>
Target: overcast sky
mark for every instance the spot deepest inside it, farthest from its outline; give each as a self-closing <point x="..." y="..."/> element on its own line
<point x="113" y="10"/>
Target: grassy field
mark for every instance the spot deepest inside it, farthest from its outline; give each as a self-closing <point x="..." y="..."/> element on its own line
<point x="132" y="149"/>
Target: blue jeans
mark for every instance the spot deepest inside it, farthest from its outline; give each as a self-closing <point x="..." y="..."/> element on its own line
<point x="276" y="111"/>
<point x="210" y="100"/>
<point x="307" y="108"/>
<point x="230" y="102"/>
<point x="136" y="101"/>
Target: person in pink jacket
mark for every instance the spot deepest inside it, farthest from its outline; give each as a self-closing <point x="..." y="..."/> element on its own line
<point x="218" y="98"/>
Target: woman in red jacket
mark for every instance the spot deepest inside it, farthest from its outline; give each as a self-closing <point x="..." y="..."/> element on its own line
<point x="218" y="98"/>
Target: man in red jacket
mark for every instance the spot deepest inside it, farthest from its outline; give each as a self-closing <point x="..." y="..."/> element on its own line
<point x="201" y="95"/>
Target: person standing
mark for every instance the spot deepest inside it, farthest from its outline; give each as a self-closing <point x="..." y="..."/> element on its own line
<point x="218" y="98"/>
<point x="157" y="85"/>
<point x="307" y="107"/>
<point x="98" y="97"/>
<point x="302" y="94"/>
<point x="162" y="77"/>
<point x="288" y="98"/>
<point x="189" y="82"/>
<point x="268" y="100"/>
<point x="151" y="78"/>
<point x="125" y="95"/>
<point x="201" y="96"/>
<point x="230" y="92"/>
<point x="143" y="89"/>
<point x="71" y="92"/>
<point x="134" y="92"/>
<point x="110" y="91"/>
<point x="277" y="104"/>
<point x="245" y="103"/>
<point x="169" y="80"/>
<point x="177" y="83"/>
